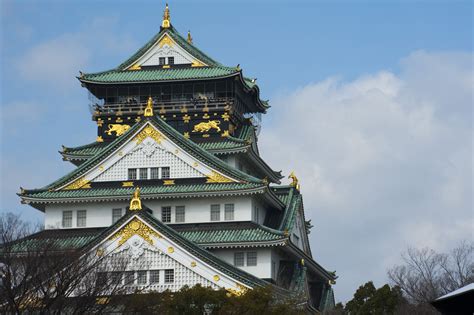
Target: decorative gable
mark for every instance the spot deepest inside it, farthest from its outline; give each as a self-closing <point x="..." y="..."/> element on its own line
<point x="148" y="148"/>
<point x="145" y="248"/>
<point x="166" y="48"/>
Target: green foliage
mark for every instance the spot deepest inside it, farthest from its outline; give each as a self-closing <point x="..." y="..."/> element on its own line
<point x="369" y="300"/>
<point x="204" y="300"/>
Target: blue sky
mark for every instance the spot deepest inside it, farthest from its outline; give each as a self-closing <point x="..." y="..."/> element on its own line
<point x="312" y="60"/>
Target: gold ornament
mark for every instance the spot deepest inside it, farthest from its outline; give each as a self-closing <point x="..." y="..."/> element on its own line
<point x="170" y="250"/>
<point x="149" y="132"/>
<point x="168" y="182"/>
<point x="215" y="177"/>
<point x="193" y="264"/>
<point x="118" y="129"/>
<point x="78" y="183"/>
<point x="136" y="203"/>
<point x="149" y="108"/>
<point x="99" y="139"/>
<point x="216" y="278"/>
<point x="127" y="184"/>
<point x="206" y="126"/>
<point x="186" y="118"/>
<point x="135" y="227"/>
<point x="135" y="67"/>
<point x="294" y="182"/>
<point x="189" y="39"/>
<point x="225" y="116"/>
<point x="166" y="18"/>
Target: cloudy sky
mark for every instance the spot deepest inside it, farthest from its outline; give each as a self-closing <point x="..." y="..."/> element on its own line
<point x="371" y="106"/>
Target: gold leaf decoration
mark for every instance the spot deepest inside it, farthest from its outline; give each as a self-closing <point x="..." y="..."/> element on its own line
<point x="135" y="227"/>
<point x="79" y="183"/>
<point x="215" y="177"/>
<point x="149" y="132"/>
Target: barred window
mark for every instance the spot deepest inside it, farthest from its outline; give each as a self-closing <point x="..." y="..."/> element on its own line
<point x="166" y="214"/>
<point x="171" y="60"/>
<point x="101" y="279"/>
<point x="143" y="173"/>
<point x="154" y="276"/>
<point x="67" y="219"/>
<point x="129" y="277"/>
<point x="229" y="211"/>
<point x="215" y="212"/>
<point x="116" y="278"/>
<point x="116" y="215"/>
<point x="141" y="277"/>
<point x="132" y="173"/>
<point x="154" y="173"/>
<point x="81" y="218"/>
<point x="165" y="172"/>
<point x="162" y="61"/>
<point x="251" y="258"/>
<point x="169" y="275"/>
<point x="239" y="259"/>
<point x="180" y="214"/>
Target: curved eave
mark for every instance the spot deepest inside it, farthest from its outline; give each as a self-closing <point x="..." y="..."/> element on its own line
<point x="310" y="263"/>
<point x="261" y="105"/>
<point x="264" y="167"/>
<point x="90" y="81"/>
<point x="126" y="196"/>
<point x="272" y="243"/>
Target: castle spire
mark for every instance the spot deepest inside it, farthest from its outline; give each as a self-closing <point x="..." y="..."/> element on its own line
<point x="166" y="18"/>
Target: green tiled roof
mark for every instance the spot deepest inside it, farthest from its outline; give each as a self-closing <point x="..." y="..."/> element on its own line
<point x="229" y="233"/>
<point x="57" y="239"/>
<point x="126" y="76"/>
<point x="148" y="191"/>
<point x="185" y="144"/>
<point x="171" y="31"/>
<point x="230" y="143"/>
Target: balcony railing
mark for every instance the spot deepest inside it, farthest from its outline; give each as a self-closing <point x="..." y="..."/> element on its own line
<point x="173" y="106"/>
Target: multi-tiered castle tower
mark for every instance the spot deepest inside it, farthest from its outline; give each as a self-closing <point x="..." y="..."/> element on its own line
<point x="175" y="178"/>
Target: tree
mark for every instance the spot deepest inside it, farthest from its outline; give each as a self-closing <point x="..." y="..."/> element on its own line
<point x="369" y="300"/>
<point x="427" y="274"/>
<point x="39" y="277"/>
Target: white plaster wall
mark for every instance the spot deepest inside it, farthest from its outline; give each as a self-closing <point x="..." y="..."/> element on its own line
<point x="198" y="210"/>
<point x="98" y="214"/>
<point x="264" y="258"/>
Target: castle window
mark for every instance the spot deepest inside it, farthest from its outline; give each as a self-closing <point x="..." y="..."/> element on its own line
<point x="67" y="219"/>
<point x="154" y="173"/>
<point x="165" y="172"/>
<point x="239" y="259"/>
<point x="251" y="258"/>
<point x="132" y="173"/>
<point x="166" y="214"/>
<point x="141" y="277"/>
<point x="215" y="212"/>
<point x="171" y="60"/>
<point x="143" y="173"/>
<point x="180" y="214"/>
<point x="229" y="211"/>
<point x="169" y="275"/>
<point x="154" y="276"/>
<point x="116" y="277"/>
<point x="116" y="215"/>
<point x="129" y="277"/>
<point x="162" y="61"/>
<point x="81" y="218"/>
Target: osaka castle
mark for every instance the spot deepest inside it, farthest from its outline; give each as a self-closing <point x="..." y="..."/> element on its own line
<point x="175" y="181"/>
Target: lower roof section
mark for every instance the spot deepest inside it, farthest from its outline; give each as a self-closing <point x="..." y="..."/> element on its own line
<point x="147" y="192"/>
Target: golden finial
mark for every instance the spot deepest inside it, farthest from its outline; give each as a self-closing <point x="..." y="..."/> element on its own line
<point x="135" y="203"/>
<point x="294" y="182"/>
<point x="166" y="18"/>
<point x="190" y="39"/>
<point x="149" y="108"/>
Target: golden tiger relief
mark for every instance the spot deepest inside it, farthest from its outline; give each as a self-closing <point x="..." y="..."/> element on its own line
<point x="117" y="128"/>
<point x="206" y="126"/>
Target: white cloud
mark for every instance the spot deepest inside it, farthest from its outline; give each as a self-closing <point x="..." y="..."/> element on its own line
<point x="57" y="60"/>
<point x="385" y="161"/>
